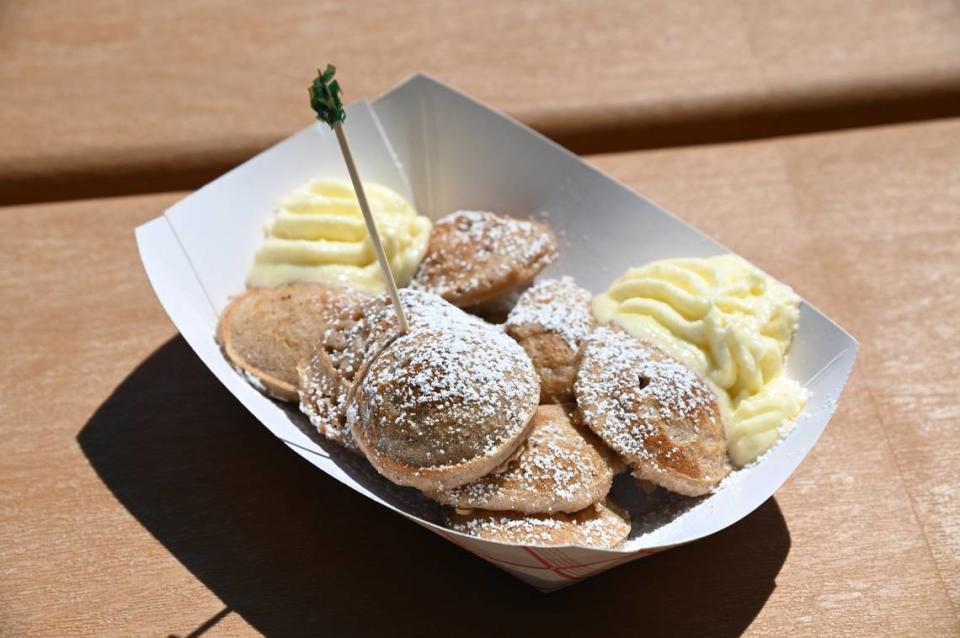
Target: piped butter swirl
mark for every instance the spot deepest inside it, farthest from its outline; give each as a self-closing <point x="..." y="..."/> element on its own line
<point x="318" y="235"/>
<point x="728" y="321"/>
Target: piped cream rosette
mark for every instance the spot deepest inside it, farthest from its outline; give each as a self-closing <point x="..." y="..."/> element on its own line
<point x="318" y="235"/>
<point x="728" y="321"/>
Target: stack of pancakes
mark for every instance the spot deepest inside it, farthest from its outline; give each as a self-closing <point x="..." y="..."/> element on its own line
<point x="517" y="428"/>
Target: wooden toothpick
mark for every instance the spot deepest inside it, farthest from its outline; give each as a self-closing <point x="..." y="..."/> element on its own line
<point x="326" y="103"/>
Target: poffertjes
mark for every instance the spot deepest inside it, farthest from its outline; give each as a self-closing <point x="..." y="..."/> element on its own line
<point x="444" y="404"/>
<point x="356" y="334"/>
<point x="267" y="332"/>
<point x="603" y="526"/>
<point x="659" y="415"/>
<point x="475" y="258"/>
<point x="518" y="429"/>
<point x="550" y="321"/>
<point x="562" y="467"/>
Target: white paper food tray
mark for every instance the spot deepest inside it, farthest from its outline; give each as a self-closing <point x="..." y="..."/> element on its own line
<point x="449" y="152"/>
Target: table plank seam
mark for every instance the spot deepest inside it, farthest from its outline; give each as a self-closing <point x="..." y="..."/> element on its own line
<point x="164" y="170"/>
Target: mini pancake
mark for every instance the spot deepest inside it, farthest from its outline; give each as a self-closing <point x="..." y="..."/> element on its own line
<point x="562" y="467"/>
<point x="658" y="414"/>
<point x="358" y="333"/>
<point x="476" y="257"/>
<point x="603" y="526"/>
<point x="550" y="321"/>
<point x="266" y="333"/>
<point x="322" y="389"/>
<point x="443" y="405"/>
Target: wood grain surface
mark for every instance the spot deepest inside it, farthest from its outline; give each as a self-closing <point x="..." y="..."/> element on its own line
<point x="137" y="497"/>
<point x="88" y="88"/>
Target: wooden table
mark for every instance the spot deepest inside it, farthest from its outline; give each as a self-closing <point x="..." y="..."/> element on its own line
<point x="89" y="88"/>
<point x="137" y="497"/>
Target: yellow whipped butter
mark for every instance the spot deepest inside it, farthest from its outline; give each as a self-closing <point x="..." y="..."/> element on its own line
<point x="728" y="321"/>
<point x="318" y="235"/>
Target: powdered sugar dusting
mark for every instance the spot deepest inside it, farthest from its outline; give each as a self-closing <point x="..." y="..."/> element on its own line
<point x="557" y="470"/>
<point x="625" y="388"/>
<point x="321" y="399"/>
<point x="357" y="334"/>
<point x="559" y="306"/>
<point x="597" y="526"/>
<point x="473" y="251"/>
<point x="451" y="390"/>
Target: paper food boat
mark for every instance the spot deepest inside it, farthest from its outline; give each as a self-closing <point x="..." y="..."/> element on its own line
<point x="447" y="152"/>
